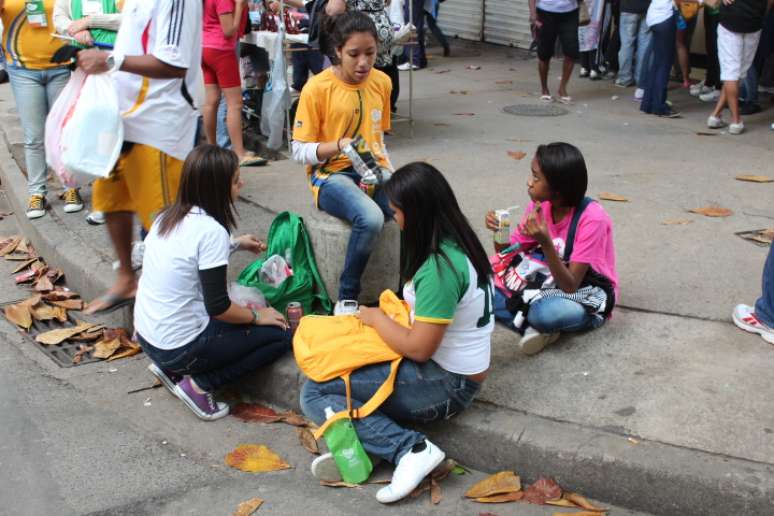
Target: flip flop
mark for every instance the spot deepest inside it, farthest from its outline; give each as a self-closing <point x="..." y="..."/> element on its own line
<point x="546" y="98"/>
<point x="111" y="303"/>
<point x="565" y="100"/>
<point x="253" y="161"/>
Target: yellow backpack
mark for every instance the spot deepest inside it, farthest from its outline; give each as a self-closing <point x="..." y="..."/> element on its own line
<point x="328" y="347"/>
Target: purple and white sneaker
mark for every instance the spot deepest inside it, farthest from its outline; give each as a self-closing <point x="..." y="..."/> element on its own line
<point x="167" y="378"/>
<point x="203" y="405"/>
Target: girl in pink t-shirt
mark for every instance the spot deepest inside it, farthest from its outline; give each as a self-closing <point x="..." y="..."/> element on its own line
<point x="577" y="295"/>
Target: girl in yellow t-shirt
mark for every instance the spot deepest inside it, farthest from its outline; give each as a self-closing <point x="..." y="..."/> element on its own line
<point x="350" y="101"/>
<point x="35" y="82"/>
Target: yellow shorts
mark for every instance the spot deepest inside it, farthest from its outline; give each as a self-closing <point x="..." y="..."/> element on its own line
<point x="144" y="181"/>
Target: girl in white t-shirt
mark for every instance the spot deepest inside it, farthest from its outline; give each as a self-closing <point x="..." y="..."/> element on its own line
<point x="447" y="349"/>
<point x="197" y="339"/>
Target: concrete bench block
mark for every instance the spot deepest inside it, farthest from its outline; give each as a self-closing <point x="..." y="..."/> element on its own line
<point x="330" y="236"/>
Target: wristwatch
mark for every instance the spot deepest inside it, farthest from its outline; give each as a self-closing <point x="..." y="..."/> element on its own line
<point x="256" y="317"/>
<point x="114" y="62"/>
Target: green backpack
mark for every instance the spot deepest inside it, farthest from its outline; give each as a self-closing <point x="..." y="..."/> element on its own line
<point x="305" y="286"/>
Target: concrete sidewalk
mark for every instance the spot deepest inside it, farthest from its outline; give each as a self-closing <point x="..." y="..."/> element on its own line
<point x="669" y="370"/>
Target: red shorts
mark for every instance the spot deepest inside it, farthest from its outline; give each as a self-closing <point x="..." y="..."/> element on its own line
<point x="221" y="67"/>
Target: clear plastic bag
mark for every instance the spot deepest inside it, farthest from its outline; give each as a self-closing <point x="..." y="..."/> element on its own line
<point x="250" y="297"/>
<point x="276" y="98"/>
<point x="92" y="138"/>
<point x="59" y="115"/>
<point x="274" y="271"/>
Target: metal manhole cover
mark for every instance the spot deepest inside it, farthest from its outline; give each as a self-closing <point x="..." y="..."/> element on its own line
<point x="535" y="110"/>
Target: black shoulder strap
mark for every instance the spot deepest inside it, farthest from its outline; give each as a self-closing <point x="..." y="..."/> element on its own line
<point x="570" y="242"/>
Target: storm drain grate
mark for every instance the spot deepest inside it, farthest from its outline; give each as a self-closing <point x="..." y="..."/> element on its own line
<point x="64" y="352"/>
<point x="535" y="110"/>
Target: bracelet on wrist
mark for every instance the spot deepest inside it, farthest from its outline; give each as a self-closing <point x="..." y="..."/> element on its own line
<point x="338" y="144"/>
<point x="256" y="317"/>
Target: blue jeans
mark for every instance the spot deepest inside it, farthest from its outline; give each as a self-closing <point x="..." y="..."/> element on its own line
<point x="342" y="197"/>
<point x="35" y="92"/>
<point x="221" y="130"/>
<point x="550" y="315"/>
<point x="222" y="353"/>
<point x="657" y="74"/>
<point x="423" y="393"/>
<point x="764" y="306"/>
<point x="418" y="50"/>
<point x="634" y="33"/>
<point x="305" y="59"/>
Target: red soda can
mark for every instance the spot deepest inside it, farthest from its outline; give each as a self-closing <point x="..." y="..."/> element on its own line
<point x="294" y="314"/>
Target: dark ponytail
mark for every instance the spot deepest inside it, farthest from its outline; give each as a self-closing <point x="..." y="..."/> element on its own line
<point x="336" y="30"/>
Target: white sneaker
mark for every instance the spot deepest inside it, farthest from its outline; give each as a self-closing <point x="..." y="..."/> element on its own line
<point x="744" y="317"/>
<point x="639" y="93"/>
<point x="696" y="89"/>
<point x="584" y="72"/>
<point x="533" y="341"/>
<point x="594" y="75"/>
<point x="95" y="218"/>
<point x="736" y="128"/>
<point x="138" y="252"/>
<point x="407" y="66"/>
<point x="345" y="307"/>
<point x="710" y="96"/>
<point x="715" y="122"/>
<point x="412" y="468"/>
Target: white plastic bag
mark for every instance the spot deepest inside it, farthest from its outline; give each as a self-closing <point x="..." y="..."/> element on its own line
<point x="57" y="117"/>
<point x="93" y="136"/>
<point x="274" y="271"/>
<point x="395" y="14"/>
<point x="276" y="98"/>
<point x="250" y="297"/>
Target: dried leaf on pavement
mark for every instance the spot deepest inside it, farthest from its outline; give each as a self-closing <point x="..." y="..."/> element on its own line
<point x="501" y="498"/>
<point x="69" y="304"/>
<point x="24" y="265"/>
<point x="88" y="336"/>
<point x="61" y="294"/>
<point x="561" y="502"/>
<point x="307" y="440"/>
<point x="255" y="412"/>
<point x="32" y="300"/>
<point x="517" y="154"/>
<point x="18" y="257"/>
<point x="60" y="335"/>
<point x="128" y="348"/>
<point x="294" y="419"/>
<point x="19" y="314"/>
<point x="608" y="196"/>
<point x="581" y="513"/>
<point x="82" y="350"/>
<point x="10" y="245"/>
<point x="106" y="348"/>
<point x="43" y="284"/>
<point x="255" y="458"/>
<point x="542" y="490"/>
<point x="582" y="502"/>
<point x="340" y="483"/>
<point x="421" y="488"/>
<point x="45" y="312"/>
<point x="443" y="469"/>
<point x="676" y="222"/>
<point x="712" y="211"/>
<point x="755" y="179"/>
<point x="248" y="507"/>
<point x="435" y="492"/>
<point x="499" y="483"/>
<point x="442" y="70"/>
